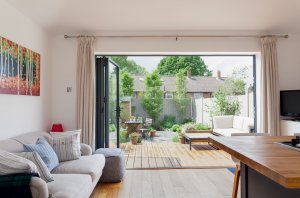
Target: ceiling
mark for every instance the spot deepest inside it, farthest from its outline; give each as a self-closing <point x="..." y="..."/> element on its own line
<point x="70" y="16"/>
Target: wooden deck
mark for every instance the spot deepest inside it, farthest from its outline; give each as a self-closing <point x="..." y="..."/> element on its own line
<point x="165" y="155"/>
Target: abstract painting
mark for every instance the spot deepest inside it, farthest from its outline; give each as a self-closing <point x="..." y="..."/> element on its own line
<point x="19" y="69"/>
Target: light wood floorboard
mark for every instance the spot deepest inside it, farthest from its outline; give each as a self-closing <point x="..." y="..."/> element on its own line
<point x="169" y="183"/>
<point x="151" y="155"/>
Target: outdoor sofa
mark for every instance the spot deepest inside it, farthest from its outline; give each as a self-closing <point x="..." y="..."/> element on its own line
<point x="229" y="124"/>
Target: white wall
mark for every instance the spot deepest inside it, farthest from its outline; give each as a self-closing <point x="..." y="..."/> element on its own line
<point x="64" y="61"/>
<point x="20" y="114"/>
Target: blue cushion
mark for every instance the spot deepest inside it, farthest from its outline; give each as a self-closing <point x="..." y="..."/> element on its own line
<point x="46" y="152"/>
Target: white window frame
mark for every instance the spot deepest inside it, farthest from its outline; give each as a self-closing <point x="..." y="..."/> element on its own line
<point x="169" y="95"/>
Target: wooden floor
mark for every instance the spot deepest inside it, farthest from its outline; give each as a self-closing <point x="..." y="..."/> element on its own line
<point x="172" y="183"/>
<point x="151" y="155"/>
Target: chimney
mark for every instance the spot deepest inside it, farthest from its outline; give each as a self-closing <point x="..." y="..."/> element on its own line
<point x="189" y="73"/>
<point x="217" y="74"/>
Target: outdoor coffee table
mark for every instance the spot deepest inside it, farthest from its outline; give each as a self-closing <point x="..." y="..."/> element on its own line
<point x="197" y="137"/>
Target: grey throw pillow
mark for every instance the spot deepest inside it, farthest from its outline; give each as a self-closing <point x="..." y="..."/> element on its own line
<point x="13" y="164"/>
<point x="41" y="166"/>
<point x="66" y="147"/>
<point x="45" y="151"/>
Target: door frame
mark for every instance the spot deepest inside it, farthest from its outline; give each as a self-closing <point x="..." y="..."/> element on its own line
<point x="102" y="101"/>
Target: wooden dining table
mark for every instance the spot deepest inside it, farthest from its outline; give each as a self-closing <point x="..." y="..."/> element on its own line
<point x="133" y="126"/>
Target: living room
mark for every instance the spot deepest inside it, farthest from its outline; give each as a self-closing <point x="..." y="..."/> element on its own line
<point x="145" y="28"/>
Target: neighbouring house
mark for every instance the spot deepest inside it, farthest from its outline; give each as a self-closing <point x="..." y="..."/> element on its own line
<point x="197" y="86"/>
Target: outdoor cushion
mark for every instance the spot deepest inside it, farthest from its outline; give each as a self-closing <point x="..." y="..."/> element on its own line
<point x="223" y="122"/>
<point x="228" y="132"/>
<point x="70" y="186"/>
<point x="238" y="122"/>
<point x="92" y="165"/>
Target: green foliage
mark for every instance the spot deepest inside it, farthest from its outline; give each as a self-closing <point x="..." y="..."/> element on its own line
<point x="129" y="65"/>
<point x="134" y="135"/>
<point x="194" y="126"/>
<point x="112" y="128"/>
<point x="176" y="128"/>
<point x="123" y="135"/>
<point x="224" y="103"/>
<point x="126" y="83"/>
<point x="238" y="77"/>
<point x="152" y="99"/>
<point x="168" y="121"/>
<point x="175" y="138"/>
<point x="187" y="120"/>
<point x="200" y="126"/>
<point x="170" y="65"/>
<point x="181" y="100"/>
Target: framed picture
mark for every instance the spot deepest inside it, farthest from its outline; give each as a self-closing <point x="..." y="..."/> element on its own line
<point x="19" y="69"/>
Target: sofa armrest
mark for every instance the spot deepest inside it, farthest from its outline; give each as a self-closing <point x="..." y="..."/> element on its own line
<point x="86" y="150"/>
<point x="39" y="188"/>
<point x="223" y="122"/>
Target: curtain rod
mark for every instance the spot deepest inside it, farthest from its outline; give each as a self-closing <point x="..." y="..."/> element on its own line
<point x="180" y="36"/>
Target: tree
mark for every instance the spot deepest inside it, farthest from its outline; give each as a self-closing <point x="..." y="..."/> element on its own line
<point x="129" y="65"/>
<point x="170" y="65"/>
<point x="126" y="84"/>
<point x="181" y="100"/>
<point x="238" y="77"/>
<point x="152" y="99"/>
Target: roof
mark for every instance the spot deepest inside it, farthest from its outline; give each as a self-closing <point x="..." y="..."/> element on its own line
<point x="199" y="84"/>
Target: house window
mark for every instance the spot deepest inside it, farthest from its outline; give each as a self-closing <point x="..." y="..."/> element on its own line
<point x="198" y="95"/>
<point x="169" y="95"/>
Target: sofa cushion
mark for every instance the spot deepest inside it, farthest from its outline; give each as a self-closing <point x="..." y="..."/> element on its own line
<point x="45" y="151"/>
<point x="70" y="186"/>
<point x="41" y="166"/>
<point x="92" y="165"/>
<point x="227" y="132"/>
<point x="238" y="122"/>
<point x="223" y="122"/>
<point x="66" y="147"/>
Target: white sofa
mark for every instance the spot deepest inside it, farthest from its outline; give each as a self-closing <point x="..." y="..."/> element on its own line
<point x="72" y="179"/>
<point x="229" y="124"/>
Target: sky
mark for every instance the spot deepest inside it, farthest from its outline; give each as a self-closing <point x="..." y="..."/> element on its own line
<point x="225" y="64"/>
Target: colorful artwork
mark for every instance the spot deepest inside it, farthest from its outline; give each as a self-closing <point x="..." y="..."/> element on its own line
<point x="19" y="69"/>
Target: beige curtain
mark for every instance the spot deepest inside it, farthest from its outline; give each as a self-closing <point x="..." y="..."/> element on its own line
<point x="270" y="89"/>
<point x="86" y="89"/>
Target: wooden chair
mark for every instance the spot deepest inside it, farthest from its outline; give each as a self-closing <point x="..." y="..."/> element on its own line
<point x="237" y="164"/>
<point x="146" y="126"/>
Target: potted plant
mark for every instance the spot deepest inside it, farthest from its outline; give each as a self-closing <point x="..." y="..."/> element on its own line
<point x="152" y="132"/>
<point x="134" y="137"/>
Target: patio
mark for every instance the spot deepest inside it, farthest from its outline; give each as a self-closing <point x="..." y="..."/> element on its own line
<point x="162" y="153"/>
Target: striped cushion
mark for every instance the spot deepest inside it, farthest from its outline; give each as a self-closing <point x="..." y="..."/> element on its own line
<point x="41" y="166"/>
<point x="68" y="133"/>
<point x="66" y="147"/>
<point x="45" y="151"/>
<point x="13" y="164"/>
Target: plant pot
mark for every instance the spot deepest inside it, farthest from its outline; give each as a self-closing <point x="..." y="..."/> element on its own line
<point x="182" y="140"/>
<point x="152" y="133"/>
<point x="134" y="141"/>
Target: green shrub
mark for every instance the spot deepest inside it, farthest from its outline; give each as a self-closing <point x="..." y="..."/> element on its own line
<point x="112" y="128"/>
<point x="175" y="127"/>
<point x="175" y="138"/>
<point x="201" y="126"/>
<point x="168" y="121"/>
<point x="187" y="120"/>
<point x="123" y="135"/>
